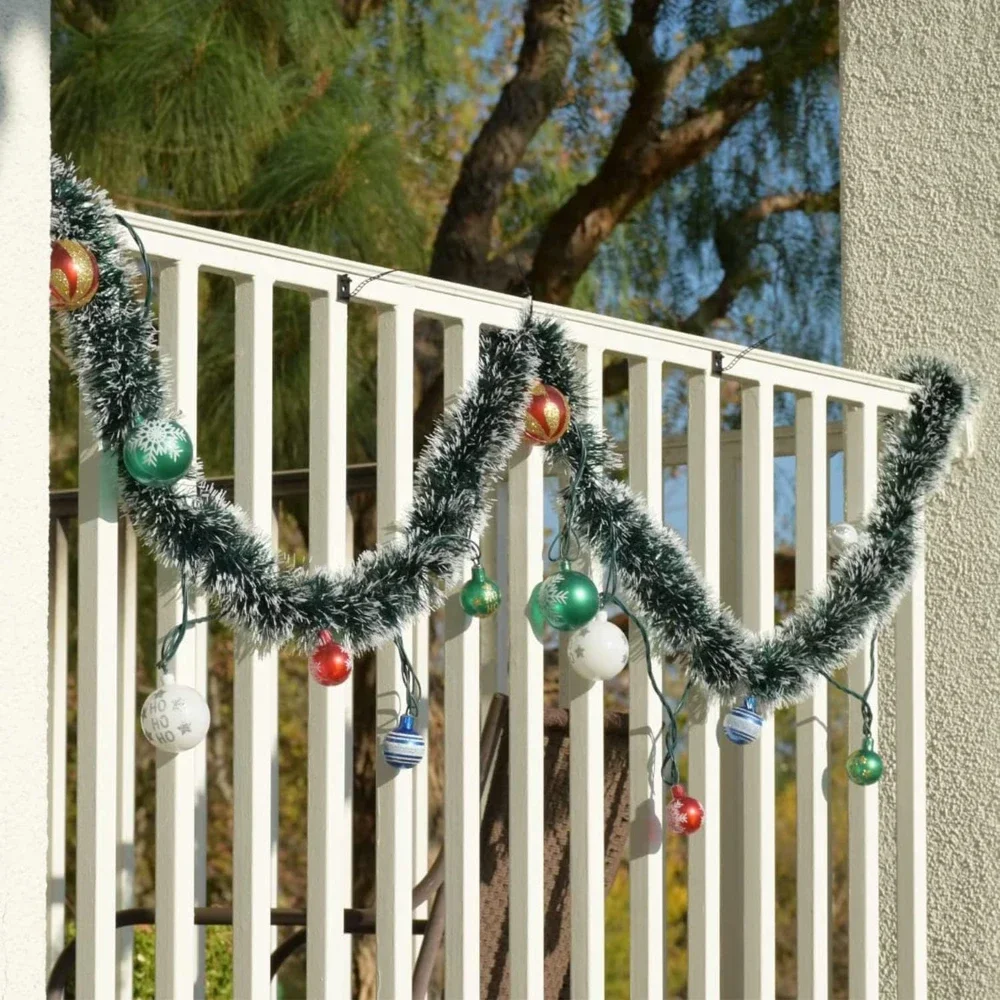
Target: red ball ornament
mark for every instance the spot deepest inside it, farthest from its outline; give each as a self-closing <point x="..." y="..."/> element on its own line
<point x="547" y="416"/>
<point x="73" y="277"/>
<point x="684" y="814"/>
<point x="330" y="663"/>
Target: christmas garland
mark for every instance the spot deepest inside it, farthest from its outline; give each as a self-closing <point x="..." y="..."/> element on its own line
<point x="686" y="620"/>
<point x="189" y="525"/>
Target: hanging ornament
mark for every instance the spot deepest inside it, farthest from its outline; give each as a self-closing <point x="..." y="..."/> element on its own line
<point x="536" y="616"/>
<point x="73" y="275"/>
<point x="403" y="748"/>
<point x="742" y="724"/>
<point x="480" y="596"/>
<point x="568" y="598"/>
<point x="684" y="813"/>
<point x="840" y="538"/>
<point x="330" y="663"/>
<point x="158" y="452"/>
<point x="864" y="766"/>
<point x="547" y="416"/>
<point x="175" y="717"/>
<point x="599" y="650"/>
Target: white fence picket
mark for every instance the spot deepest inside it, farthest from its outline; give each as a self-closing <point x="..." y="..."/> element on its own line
<point x="527" y="938"/>
<point x="421" y="657"/>
<point x="461" y="735"/>
<point x="911" y="793"/>
<point x="495" y="630"/>
<point x="125" y="839"/>
<point x="731" y="755"/>
<point x="703" y="740"/>
<point x="97" y="718"/>
<point x="329" y="840"/>
<point x="758" y="757"/>
<point x="198" y="637"/>
<point x="255" y="688"/>
<point x="811" y="742"/>
<point x="586" y="785"/>
<point x="175" y="792"/>
<point x="55" y="919"/>
<point x="860" y="471"/>
<point x="394" y="789"/>
<point x="646" y="957"/>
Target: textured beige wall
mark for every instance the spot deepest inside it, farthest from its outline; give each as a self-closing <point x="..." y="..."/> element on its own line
<point x="24" y="425"/>
<point x="921" y="218"/>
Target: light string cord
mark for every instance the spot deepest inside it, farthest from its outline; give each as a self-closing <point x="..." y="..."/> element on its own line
<point x="373" y="277"/>
<point x="565" y="547"/>
<point x="747" y="350"/>
<point x="147" y="270"/>
<point x="867" y="716"/>
<point x="669" y="770"/>
<point x="171" y="642"/>
<point x="411" y="682"/>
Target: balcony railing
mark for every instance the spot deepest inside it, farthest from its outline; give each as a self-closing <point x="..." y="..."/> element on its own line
<point x="730" y="531"/>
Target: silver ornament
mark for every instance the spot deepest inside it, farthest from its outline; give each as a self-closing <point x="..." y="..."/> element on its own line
<point x="841" y="537"/>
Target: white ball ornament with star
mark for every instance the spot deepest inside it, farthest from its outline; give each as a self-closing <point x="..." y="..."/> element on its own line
<point x="175" y="717"/>
<point x="599" y="650"/>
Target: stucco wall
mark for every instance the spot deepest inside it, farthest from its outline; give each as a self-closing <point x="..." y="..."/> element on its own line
<point x="921" y="225"/>
<point x="24" y="349"/>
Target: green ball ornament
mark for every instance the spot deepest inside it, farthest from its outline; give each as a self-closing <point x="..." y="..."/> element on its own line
<point x="158" y="452"/>
<point x="480" y="596"/>
<point x="536" y="617"/>
<point x="568" y="599"/>
<point x="864" y="766"/>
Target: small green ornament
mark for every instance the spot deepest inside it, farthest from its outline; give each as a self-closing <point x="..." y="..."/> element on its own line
<point x="158" y="452"/>
<point x="480" y="596"/>
<point x="864" y="766"/>
<point x="536" y="617"/>
<point x="568" y="599"/>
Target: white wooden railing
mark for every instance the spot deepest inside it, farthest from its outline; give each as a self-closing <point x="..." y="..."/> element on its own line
<point x="730" y="533"/>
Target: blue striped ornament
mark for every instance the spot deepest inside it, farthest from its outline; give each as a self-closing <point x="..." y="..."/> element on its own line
<point x="742" y="725"/>
<point x="403" y="748"/>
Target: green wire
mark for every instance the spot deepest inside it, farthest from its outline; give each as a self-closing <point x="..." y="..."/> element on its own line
<point x="867" y="716"/>
<point x="171" y="642"/>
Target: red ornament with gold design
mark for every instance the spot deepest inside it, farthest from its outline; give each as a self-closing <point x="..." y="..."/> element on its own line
<point x="684" y="813"/>
<point x="547" y="416"/>
<point x="330" y="663"/>
<point x="73" y="277"/>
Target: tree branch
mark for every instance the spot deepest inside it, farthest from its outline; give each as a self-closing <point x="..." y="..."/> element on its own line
<point x="736" y="240"/>
<point x="79" y="14"/>
<point x="353" y="11"/>
<point x="462" y="244"/>
<point x="643" y="155"/>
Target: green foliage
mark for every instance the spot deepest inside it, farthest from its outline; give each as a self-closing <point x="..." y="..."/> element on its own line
<point x="218" y="963"/>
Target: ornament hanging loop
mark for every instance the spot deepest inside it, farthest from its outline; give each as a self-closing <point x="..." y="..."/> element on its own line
<point x="411" y="682"/>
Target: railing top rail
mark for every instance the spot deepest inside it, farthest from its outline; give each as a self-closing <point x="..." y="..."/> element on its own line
<point x="780" y="370"/>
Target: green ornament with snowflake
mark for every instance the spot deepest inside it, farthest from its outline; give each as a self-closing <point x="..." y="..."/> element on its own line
<point x="568" y="599"/>
<point x="158" y="452"/>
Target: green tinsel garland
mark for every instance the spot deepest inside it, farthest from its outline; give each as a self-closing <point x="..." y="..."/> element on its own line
<point x="112" y="344"/>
